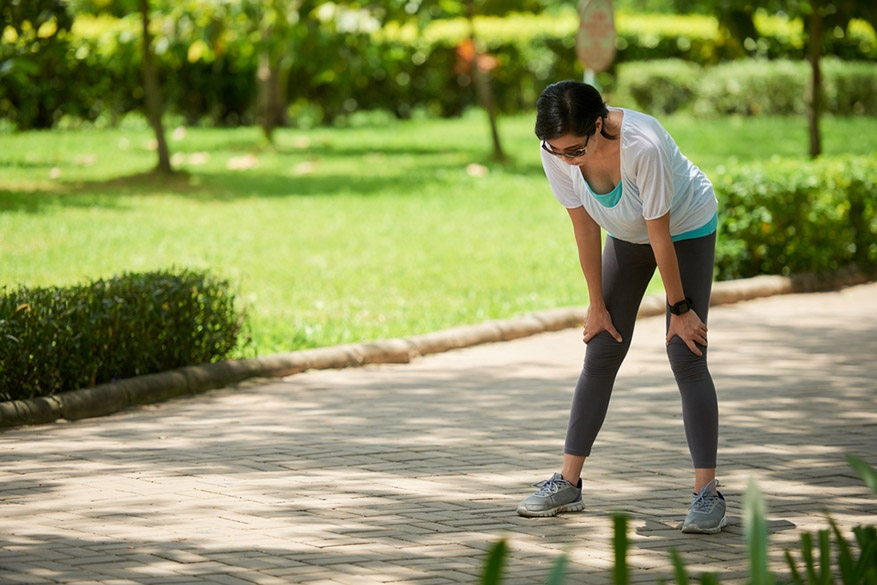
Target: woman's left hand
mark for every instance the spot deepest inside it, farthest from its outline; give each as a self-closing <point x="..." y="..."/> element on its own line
<point x="690" y="329"/>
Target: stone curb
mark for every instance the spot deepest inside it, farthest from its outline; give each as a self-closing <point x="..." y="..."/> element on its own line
<point x="116" y="396"/>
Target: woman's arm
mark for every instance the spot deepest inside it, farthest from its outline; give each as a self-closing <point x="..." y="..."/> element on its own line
<point x="687" y="326"/>
<point x="589" y="244"/>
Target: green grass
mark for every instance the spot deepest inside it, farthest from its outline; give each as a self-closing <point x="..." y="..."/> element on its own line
<point x="338" y="235"/>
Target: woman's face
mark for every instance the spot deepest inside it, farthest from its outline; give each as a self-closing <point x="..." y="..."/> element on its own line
<point x="569" y="148"/>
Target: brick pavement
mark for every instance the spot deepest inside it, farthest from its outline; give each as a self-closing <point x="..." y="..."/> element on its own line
<point x="410" y="473"/>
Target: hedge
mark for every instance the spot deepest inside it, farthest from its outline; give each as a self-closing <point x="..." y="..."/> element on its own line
<point x="208" y="71"/>
<point x="791" y="216"/>
<point x="751" y="87"/>
<point x="55" y="339"/>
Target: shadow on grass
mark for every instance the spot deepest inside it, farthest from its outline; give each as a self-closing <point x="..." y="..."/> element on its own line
<point x="227" y="185"/>
<point x="43" y="195"/>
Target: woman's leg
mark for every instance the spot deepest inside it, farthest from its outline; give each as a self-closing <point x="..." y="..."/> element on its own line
<point x="700" y="411"/>
<point x="627" y="270"/>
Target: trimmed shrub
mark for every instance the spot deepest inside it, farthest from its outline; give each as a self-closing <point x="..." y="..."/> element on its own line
<point x="791" y="216"/>
<point x="753" y="88"/>
<point x="748" y="87"/>
<point x="56" y="339"/>
<point x="659" y="87"/>
<point x="850" y="87"/>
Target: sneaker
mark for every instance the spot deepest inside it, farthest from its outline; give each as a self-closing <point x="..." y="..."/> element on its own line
<point x="555" y="495"/>
<point x="707" y="512"/>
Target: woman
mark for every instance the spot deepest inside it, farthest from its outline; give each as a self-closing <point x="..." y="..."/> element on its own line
<point x="619" y="170"/>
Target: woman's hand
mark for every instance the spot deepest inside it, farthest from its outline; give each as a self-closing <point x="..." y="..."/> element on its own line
<point x="597" y="321"/>
<point x="690" y="329"/>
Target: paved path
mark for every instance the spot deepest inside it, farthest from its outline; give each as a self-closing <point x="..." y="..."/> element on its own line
<point x="410" y="473"/>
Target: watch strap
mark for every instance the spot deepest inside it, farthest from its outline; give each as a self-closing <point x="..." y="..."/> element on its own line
<point x="681" y="307"/>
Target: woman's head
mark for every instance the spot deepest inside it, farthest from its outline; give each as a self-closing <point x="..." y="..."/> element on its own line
<point x="570" y="107"/>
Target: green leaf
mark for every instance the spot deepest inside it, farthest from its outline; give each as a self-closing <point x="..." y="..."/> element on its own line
<point x="679" y="568"/>
<point x="619" y="543"/>
<point x="844" y="556"/>
<point x="866" y="568"/>
<point x="807" y="555"/>
<point x="493" y="569"/>
<point x="793" y="569"/>
<point x="755" y="532"/>
<point x="824" y="558"/>
<point x="558" y="572"/>
<point x="865" y="471"/>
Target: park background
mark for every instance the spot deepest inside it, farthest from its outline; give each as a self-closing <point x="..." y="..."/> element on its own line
<point x="360" y="171"/>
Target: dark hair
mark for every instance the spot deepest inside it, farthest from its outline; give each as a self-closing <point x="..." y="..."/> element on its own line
<point x="570" y="107"/>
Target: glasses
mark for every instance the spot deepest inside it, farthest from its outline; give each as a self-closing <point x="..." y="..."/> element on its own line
<point x="568" y="155"/>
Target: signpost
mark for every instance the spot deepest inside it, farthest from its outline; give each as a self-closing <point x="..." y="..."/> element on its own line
<point x="595" y="40"/>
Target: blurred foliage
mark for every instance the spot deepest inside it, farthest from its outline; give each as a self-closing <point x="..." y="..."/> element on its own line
<point x="332" y="59"/>
<point x="791" y="216"/>
<point x="746" y="87"/>
<point x="739" y="17"/>
<point x="33" y="60"/>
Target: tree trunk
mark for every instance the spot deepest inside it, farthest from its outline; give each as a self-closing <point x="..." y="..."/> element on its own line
<point x="271" y="102"/>
<point x="814" y="90"/>
<point x="482" y="86"/>
<point x="151" y="93"/>
<point x="740" y="25"/>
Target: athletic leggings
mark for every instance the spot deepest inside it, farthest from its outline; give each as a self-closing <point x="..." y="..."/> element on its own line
<point x="627" y="270"/>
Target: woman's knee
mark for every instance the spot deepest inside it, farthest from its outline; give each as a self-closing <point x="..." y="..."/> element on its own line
<point x="685" y="364"/>
<point x="604" y="354"/>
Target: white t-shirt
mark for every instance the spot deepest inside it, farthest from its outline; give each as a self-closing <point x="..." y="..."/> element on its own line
<point x="655" y="178"/>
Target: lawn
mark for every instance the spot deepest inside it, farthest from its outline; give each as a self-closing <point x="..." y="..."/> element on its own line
<point x="333" y="235"/>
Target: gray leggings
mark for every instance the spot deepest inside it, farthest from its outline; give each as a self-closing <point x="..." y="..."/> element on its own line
<point x="627" y="270"/>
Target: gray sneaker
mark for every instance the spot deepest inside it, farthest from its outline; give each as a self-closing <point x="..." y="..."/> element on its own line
<point x="555" y="495"/>
<point x="707" y="512"/>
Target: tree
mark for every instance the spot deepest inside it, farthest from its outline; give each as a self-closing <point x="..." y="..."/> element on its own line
<point x="481" y="66"/>
<point x="148" y="68"/>
<point x="276" y="27"/>
<point x="818" y="16"/>
<point x="274" y="21"/>
<point x="474" y="61"/>
<point x="152" y="94"/>
<point x="816" y="33"/>
<point x="32" y="51"/>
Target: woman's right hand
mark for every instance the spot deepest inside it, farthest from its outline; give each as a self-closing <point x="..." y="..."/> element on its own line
<point x="597" y="321"/>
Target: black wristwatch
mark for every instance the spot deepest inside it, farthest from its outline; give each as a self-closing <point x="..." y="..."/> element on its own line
<point x="681" y="307"/>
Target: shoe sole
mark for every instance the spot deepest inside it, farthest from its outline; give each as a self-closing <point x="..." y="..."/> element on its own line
<point x="695" y="529"/>
<point x="572" y="507"/>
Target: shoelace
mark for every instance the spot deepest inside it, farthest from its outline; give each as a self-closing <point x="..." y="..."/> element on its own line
<point x="549" y="486"/>
<point x="705" y="497"/>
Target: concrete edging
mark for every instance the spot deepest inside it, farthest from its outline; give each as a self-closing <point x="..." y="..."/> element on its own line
<point x="116" y="396"/>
